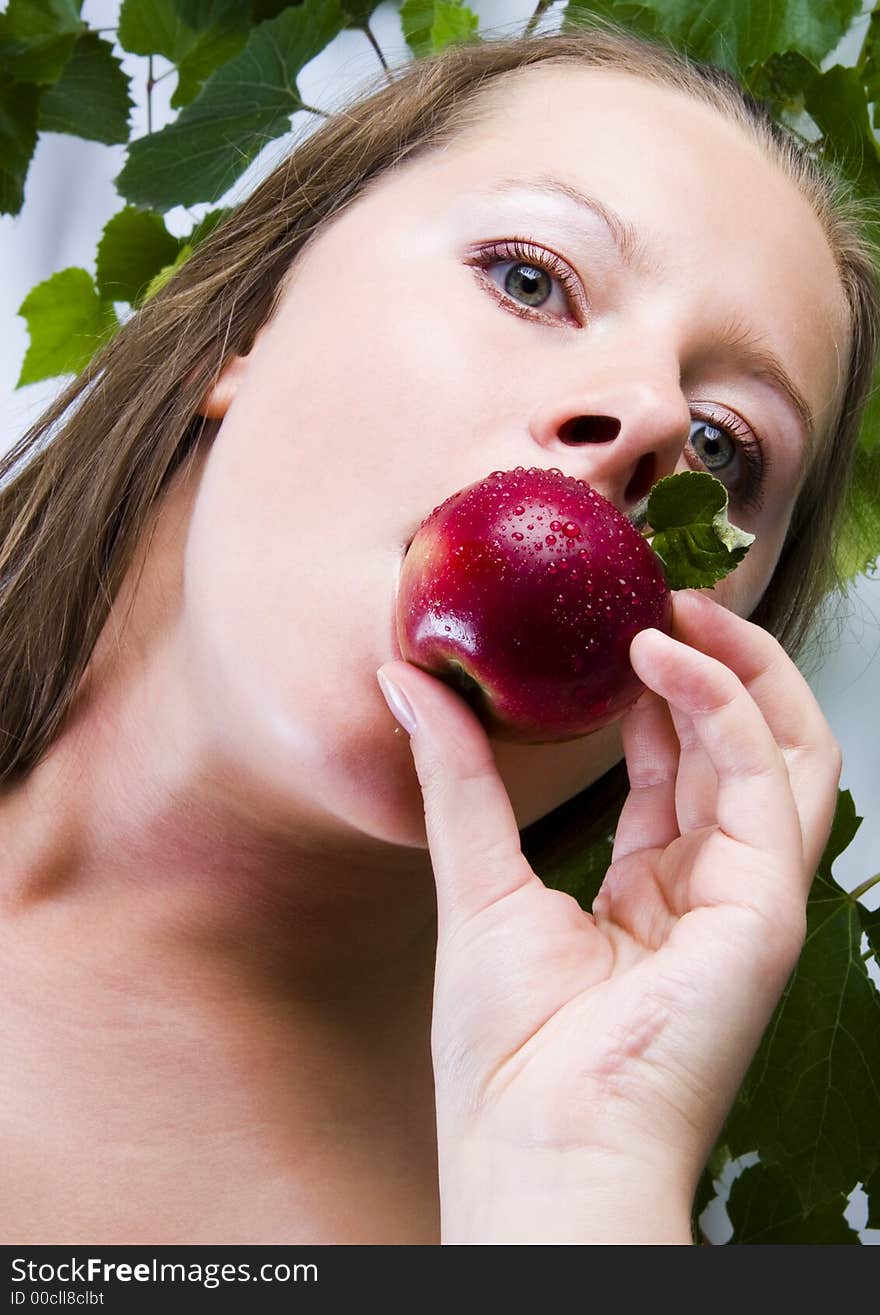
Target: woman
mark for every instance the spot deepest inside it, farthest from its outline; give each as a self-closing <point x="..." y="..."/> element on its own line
<point x="233" y="1012"/>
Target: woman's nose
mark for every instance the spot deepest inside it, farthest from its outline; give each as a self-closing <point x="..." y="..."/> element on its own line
<point x="620" y="434"/>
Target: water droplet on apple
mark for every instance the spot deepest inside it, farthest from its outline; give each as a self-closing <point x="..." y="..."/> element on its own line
<point x="516" y="535"/>
<point x="571" y="530"/>
<point x="519" y="511"/>
<point x="556" y="525"/>
<point x="550" y="539"/>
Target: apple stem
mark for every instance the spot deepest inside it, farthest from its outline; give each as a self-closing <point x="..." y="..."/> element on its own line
<point x="638" y="514"/>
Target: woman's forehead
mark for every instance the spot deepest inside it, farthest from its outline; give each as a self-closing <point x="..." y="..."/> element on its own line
<point x="695" y="199"/>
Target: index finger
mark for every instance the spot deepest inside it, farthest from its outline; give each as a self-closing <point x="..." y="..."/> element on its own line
<point x="786" y="701"/>
<point x="469" y="819"/>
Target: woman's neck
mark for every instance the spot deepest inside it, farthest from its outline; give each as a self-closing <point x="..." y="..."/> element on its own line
<point x="217" y="1027"/>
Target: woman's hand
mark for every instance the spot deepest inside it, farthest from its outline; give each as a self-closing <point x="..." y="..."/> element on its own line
<point x="584" y="1063"/>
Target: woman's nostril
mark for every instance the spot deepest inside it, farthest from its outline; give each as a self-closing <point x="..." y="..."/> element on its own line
<point x="590" y="429"/>
<point x="642" y="480"/>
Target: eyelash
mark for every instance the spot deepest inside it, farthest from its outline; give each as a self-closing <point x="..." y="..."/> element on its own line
<point x="522" y="250"/>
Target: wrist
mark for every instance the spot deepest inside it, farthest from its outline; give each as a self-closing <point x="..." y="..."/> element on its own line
<point x="577" y="1197"/>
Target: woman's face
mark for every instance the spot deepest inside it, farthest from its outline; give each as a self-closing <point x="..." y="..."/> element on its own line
<point x="396" y="371"/>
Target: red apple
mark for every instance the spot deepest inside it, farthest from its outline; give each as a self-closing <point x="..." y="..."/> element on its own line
<point x="524" y="591"/>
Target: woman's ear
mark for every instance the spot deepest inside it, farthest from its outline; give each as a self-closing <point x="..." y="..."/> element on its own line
<point x="217" y="399"/>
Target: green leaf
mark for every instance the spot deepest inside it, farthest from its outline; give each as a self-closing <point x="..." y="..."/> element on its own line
<point x="134" y="247"/>
<point x="91" y="98"/>
<point x="359" y="12"/>
<point x="454" y="24"/>
<point x="872" y="1191"/>
<point x="416" y="20"/>
<point x="260" y="9"/>
<point x="738" y="33"/>
<point x="165" y="274"/>
<point x="870" y="920"/>
<point x="37" y="38"/>
<point x="246" y="103"/>
<point x="858" y="547"/>
<point x="870" y="69"/>
<point x="764" y="1210"/>
<point x="67" y="321"/>
<point x="206" y="225"/>
<point x="810" y="1103"/>
<point x="196" y="38"/>
<point x="837" y="102"/>
<point x="692" y="536"/>
<point x="19" y="112"/>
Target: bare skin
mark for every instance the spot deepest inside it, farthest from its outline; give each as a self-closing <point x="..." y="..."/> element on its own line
<point x="219" y="920"/>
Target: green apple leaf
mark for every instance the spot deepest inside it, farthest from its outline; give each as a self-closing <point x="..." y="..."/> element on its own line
<point x="67" y="321"/>
<point x="693" y="538"/>
<point x="134" y="247"/>
<point x="764" y="1210"/>
<point x="91" y="98"/>
<point x="37" y="38"/>
<point x="736" y="33"/>
<point x="19" y="113"/>
<point x="810" y="1103"/>
<point x="196" y="38"/>
<point x="243" y="105"/>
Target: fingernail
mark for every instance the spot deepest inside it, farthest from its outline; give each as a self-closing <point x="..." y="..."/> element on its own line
<point x="397" y="702"/>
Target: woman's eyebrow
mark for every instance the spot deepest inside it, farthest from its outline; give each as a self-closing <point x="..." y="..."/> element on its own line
<point x="757" y="358"/>
<point x="630" y="246"/>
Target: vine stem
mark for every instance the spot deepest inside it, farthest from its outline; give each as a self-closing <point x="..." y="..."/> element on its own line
<point x="865" y="887"/>
<point x="150" y="85"/>
<point x="310" y="109"/>
<point x="540" y="9"/>
<point x="378" y="49"/>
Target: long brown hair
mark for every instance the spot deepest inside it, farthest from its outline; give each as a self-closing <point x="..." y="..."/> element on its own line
<point x="78" y="491"/>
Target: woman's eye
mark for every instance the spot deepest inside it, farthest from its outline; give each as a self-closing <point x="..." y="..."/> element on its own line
<point x="733" y="455"/>
<point x="715" y="448"/>
<point x="533" y="279"/>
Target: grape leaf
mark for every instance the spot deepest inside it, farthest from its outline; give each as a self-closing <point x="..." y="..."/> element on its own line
<point x="738" y="33"/>
<point x="416" y="20"/>
<point x="810" y="1103"/>
<point x="37" y="38"/>
<point x="91" y="98"/>
<point x="453" y="24"/>
<point x="870" y="920"/>
<point x="764" y="1210"/>
<point x="19" y="112"/>
<point x="207" y="224"/>
<point x="196" y="38"/>
<point x="837" y="102"/>
<point x="134" y="247"/>
<point x="67" y="321"/>
<point x="872" y="1191"/>
<point x="157" y="283"/>
<point x="692" y="536"/>
<point x="244" y="104"/>
<point x="858" y="546"/>
<point x="359" y="12"/>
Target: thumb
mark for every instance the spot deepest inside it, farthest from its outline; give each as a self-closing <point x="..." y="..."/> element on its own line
<point x="471" y="826"/>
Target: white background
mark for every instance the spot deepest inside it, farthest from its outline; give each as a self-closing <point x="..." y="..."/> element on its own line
<point x="70" y="196"/>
